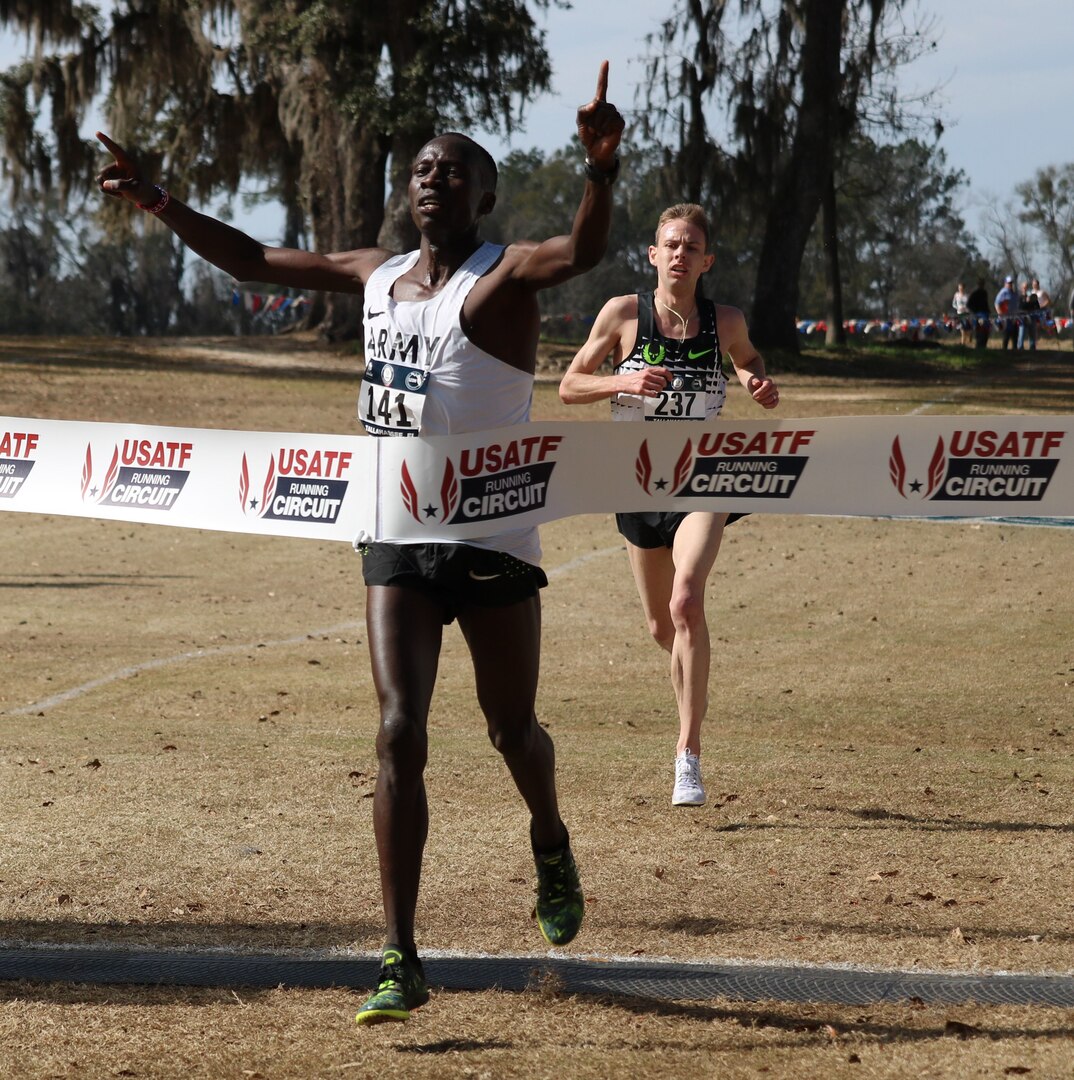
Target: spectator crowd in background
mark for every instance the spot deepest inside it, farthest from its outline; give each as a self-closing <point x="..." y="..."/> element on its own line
<point x="1021" y="313"/>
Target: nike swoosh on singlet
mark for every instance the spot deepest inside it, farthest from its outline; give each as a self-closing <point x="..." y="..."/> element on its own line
<point x="484" y="577"/>
<point x="374" y="314"/>
<point x="691" y="355"/>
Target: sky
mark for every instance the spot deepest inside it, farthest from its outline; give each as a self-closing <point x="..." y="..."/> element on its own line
<point x="1004" y="74"/>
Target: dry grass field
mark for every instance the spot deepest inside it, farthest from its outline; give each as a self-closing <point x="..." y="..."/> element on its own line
<point x="186" y="759"/>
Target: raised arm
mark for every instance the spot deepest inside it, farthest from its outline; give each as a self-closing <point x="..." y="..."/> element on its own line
<point x="600" y="128"/>
<point x="230" y="249"/>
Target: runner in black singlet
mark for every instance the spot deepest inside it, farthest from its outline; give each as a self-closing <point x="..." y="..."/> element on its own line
<point x="667" y="349"/>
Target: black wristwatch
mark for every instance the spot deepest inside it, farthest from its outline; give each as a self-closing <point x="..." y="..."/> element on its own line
<point x="605" y="178"/>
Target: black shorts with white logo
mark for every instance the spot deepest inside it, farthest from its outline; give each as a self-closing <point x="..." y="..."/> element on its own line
<point x="456" y="575"/>
<point x="657" y="528"/>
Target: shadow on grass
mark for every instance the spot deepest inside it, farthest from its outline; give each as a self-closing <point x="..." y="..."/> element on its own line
<point x="901" y="362"/>
<point x="123" y="578"/>
<point x="832" y="1026"/>
<point x="138" y="995"/>
<point x="711" y="927"/>
<point x="89" y="581"/>
<point x="178" y="934"/>
<point x="202" y="366"/>
<point x="898" y="819"/>
<point x="455" y="1046"/>
<point x="957" y="824"/>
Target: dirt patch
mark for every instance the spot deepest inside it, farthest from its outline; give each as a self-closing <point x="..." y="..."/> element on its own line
<point x="186" y="758"/>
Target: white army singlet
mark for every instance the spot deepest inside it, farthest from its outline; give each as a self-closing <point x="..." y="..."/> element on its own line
<point x="424" y="376"/>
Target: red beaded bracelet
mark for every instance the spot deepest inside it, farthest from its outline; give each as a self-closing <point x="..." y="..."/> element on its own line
<point x="163" y="198"/>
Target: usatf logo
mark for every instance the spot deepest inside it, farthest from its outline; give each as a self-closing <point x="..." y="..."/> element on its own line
<point x="147" y="473"/>
<point x="299" y="485"/>
<point x="981" y="466"/>
<point x="15" y="461"/>
<point x="764" y="465"/>
<point x="492" y="481"/>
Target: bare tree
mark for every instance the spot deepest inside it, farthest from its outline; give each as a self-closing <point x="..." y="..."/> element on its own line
<point x="687" y="55"/>
<point x="1047" y="206"/>
<point x="1009" y="237"/>
<point x="804" y="76"/>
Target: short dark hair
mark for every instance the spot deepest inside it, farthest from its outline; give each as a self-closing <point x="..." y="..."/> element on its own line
<point x="485" y="162"/>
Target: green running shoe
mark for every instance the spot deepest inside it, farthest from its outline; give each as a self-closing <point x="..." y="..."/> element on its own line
<point x="400" y="989"/>
<point x="560" y="903"/>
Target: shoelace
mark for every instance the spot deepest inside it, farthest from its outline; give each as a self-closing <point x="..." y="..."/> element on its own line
<point x="390" y="974"/>
<point x="553" y="888"/>
<point x="689" y="769"/>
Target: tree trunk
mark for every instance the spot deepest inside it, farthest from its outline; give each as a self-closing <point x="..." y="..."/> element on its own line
<point x="800" y="187"/>
<point x="836" y="333"/>
<point x="341" y="184"/>
<point x="693" y="161"/>
<point x="351" y="216"/>
<point x="398" y="231"/>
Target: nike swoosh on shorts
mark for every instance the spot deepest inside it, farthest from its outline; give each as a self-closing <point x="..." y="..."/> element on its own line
<point x="484" y="577"/>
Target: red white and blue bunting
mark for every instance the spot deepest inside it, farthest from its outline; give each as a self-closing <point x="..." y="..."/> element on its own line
<point x="265" y="304"/>
<point x="919" y="328"/>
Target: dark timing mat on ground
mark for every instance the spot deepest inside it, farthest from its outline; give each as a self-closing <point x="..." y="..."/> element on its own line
<point x="662" y="981"/>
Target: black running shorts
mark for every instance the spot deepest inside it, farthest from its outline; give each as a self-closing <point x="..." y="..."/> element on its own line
<point x="656" y="529"/>
<point x="456" y="575"/>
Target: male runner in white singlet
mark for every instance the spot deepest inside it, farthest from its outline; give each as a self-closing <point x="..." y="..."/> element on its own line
<point x="452" y="329"/>
<point x="667" y="348"/>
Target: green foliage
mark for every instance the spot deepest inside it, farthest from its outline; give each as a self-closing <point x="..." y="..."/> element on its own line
<point x="53" y="281"/>
<point x="218" y="90"/>
<point x="903" y="244"/>
<point x="797" y="78"/>
<point x="538" y="196"/>
<point x="312" y="97"/>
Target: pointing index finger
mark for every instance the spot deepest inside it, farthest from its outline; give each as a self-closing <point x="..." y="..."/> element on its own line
<point x="602" y="82"/>
<point x="114" y="149"/>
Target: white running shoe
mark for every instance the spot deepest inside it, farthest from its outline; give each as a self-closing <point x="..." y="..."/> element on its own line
<point x="689" y="791"/>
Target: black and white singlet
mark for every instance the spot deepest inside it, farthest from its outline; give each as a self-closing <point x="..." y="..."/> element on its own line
<point x="698" y="386"/>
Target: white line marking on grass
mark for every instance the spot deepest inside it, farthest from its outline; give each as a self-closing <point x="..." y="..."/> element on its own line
<point x="164" y="661"/>
<point x="951" y="398"/>
<point x="929" y="404"/>
<point x="224" y="650"/>
<point x="568" y="567"/>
